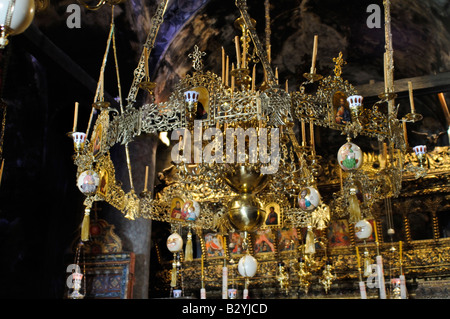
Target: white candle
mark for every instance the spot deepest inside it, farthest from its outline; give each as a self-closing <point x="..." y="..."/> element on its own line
<point x="238" y="51"/>
<point x="223" y="66"/>
<point x="225" y="282"/>
<point x="232" y="78"/>
<point x="227" y="72"/>
<point x="202" y="293"/>
<point x="146" y="178"/>
<point x="75" y="118"/>
<point x="303" y="133"/>
<point x="313" y="63"/>
<point x="253" y="78"/>
<point x="411" y="98"/>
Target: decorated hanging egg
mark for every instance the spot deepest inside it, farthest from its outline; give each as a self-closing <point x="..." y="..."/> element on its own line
<point x="191" y="210"/>
<point x="309" y="198"/>
<point x="174" y="243"/>
<point x="363" y="229"/>
<point x="247" y="266"/>
<point x="350" y="157"/>
<point x="88" y="182"/>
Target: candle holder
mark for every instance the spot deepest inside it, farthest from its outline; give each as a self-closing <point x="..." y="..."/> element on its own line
<point x="355" y="103"/>
<point x="312" y="77"/>
<point x="76" y="286"/>
<point x="79" y="141"/>
<point x="304" y="275"/>
<point x="191" y="99"/>
<point x="420" y="151"/>
<point x="148" y="86"/>
<point x="242" y="77"/>
<point x="413" y="117"/>
<point x="101" y="105"/>
<point x="387" y="96"/>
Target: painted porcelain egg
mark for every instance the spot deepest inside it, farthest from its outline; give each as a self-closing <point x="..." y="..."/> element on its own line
<point x="247" y="266"/>
<point x="363" y="229"/>
<point x="174" y="243"/>
<point x="350" y="157"/>
<point x="308" y="199"/>
<point x="88" y="182"/>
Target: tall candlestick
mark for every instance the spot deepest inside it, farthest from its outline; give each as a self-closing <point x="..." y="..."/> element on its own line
<point x="223" y="65"/>
<point x="232" y="78"/>
<point x="411" y="98"/>
<point x="286" y="86"/>
<point x="303" y="134"/>
<point x="314" y="56"/>
<point x="253" y="78"/>
<point x="244" y="54"/>
<point x="276" y="74"/>
<point x="238" y="51"/>
<point x="146" y="178"/>
<point x="146" y="62"/>
<point x="311" y="131"/>
<point x="269" y="53"/>
<point x="400" y="251"/>
<point x="75" y="118"/>
<point x="227" y="72"/>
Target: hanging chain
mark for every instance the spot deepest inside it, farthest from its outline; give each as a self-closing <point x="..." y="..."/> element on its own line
<point x="139" y="72"/>
<point x="242" y="6"/>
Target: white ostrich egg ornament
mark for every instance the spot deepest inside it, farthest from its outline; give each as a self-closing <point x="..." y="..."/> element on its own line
<point x="350" y="157"/>
<point x="174" y="243"/>
<point x="309" y="198"/>
<point x="88" y="182"/>
<point x="247" y="266"/>
<point x="22" y="14"/>
<point x="363" y="229"/>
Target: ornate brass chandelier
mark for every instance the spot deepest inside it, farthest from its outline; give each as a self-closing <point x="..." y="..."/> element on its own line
<point x="215" y="119"/>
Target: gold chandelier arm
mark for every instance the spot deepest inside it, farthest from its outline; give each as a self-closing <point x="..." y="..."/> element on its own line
<point x="100" y="4"/>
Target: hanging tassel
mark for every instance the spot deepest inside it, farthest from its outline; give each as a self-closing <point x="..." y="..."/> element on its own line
<point x="353" y="208"/>
<point x="173" y="282"/>
<point x="367" y="267"/>
<point x="85" y="225"/>
<point x="367" y="264"/>
<point x="310" y="247"/>
<point x="188" y="254"/>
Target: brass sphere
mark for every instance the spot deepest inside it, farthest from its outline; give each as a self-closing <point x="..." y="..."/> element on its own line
<point x="246" y="213"/>
<point x="243" y="180"/>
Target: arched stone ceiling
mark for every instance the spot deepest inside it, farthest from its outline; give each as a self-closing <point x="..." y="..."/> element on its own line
<point x="420" y="32"/>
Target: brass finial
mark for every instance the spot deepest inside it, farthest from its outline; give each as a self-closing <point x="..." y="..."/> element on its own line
<point x="339" y="61"/>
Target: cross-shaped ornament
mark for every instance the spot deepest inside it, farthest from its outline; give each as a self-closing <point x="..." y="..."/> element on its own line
<point x="196" y="57"/>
